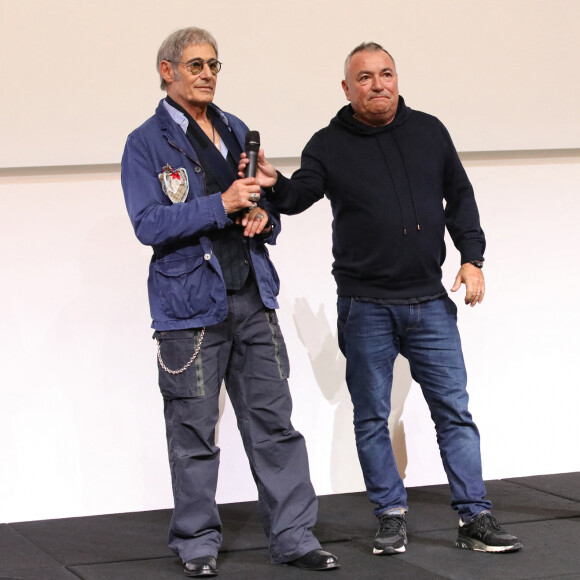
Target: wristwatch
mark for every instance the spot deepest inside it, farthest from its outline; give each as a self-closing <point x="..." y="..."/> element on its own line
<point x="477" y="263"/>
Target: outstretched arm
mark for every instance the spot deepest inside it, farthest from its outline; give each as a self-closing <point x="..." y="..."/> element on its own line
<point x="296" y="194"/>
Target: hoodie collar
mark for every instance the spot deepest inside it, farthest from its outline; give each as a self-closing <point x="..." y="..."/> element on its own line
<point x="345" y="119"/>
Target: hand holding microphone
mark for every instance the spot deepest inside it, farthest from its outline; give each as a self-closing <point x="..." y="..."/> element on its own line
<point x="255" y="218"/>
<point x="254" y="164"/>
<point x="242" y="194"/>
<point x="252" y="146"/>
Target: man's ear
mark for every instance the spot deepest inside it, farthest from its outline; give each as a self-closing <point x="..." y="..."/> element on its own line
<point x="166" y="71"/>
<point x="345" y="89"/>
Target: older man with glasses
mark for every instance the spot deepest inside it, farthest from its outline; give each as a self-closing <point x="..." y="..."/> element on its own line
<point x="212" y="294"/>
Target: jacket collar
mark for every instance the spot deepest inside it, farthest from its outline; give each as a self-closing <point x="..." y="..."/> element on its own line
<point x="167" y="123"/>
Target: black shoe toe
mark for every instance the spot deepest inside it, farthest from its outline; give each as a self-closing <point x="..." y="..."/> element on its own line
<point x="316" y="560"/>
<point x="203" y="566"/>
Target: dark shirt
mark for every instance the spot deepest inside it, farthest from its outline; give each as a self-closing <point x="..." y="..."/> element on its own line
<point x="229" y="244"/>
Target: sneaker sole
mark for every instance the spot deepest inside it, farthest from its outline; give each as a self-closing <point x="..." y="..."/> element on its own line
<point x="387" y="551"/>
<point x="481" y="547"/>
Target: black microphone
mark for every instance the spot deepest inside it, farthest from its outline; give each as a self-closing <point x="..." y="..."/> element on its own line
<point x="252" y="146"/>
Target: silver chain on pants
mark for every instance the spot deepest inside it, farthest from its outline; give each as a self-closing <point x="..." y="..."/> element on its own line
<point x="188" y="363"/>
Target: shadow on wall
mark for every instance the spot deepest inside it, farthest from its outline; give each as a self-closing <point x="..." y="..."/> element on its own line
<point x="329" y="366"/>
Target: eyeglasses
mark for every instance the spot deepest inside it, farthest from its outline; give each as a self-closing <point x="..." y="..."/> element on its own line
<point x="196" y="65"/>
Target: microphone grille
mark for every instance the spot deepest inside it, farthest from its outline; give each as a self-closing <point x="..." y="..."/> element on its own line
<point x="252" y="141"/>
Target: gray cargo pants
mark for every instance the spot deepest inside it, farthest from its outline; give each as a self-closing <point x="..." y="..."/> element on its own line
<point x="246" y="350"/>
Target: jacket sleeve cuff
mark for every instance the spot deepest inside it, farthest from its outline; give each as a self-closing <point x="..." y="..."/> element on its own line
<point x="218" y="211"/>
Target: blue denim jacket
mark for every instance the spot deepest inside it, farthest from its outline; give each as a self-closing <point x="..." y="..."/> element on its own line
<point x="186" y="287"/>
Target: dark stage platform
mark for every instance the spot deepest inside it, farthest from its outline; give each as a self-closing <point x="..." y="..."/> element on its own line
<point x="544" y="511"/>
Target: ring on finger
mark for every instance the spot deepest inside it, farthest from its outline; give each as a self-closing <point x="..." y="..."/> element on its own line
<point x="260" y="217"/>
<point x="253" y="205"/>
<point x="254" y="196"/>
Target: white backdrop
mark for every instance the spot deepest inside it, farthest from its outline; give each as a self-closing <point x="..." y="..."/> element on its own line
<point x="81" y="420"/>
<point x="81" y="426"/>
<point x="502" y="73"/>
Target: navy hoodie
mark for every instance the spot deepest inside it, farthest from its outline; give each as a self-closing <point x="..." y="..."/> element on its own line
<point x="393" y="190"/>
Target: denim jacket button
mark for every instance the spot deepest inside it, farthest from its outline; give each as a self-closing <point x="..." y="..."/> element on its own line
<point x="197" y="169"/>
<point x="207" y="256"/>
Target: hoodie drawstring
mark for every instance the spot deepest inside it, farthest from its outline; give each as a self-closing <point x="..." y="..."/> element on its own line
<point x="408" y="181"/>
<point x="397" y="195"/>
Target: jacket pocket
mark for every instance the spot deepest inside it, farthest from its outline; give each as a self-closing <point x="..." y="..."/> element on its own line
<point x="183" y="286"/>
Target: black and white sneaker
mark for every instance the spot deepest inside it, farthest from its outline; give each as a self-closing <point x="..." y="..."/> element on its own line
<point x="391" y="537"/>
<point x="484" y="534"/>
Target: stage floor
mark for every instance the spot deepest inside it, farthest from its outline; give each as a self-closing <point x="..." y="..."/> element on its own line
<point x="544" y="511"/>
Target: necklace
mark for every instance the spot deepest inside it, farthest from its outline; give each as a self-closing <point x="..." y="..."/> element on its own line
<point x="213" y="136"/>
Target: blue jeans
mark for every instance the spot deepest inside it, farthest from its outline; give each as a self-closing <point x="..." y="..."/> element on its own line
<point x="370" y="337"/>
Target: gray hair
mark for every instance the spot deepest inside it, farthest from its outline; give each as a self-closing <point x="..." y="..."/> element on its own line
<point x="368" y="46"/>
<point x="173" y="46"/>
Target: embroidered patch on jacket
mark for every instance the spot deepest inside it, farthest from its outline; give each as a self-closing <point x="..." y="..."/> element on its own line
<point x="175" y="183"/>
